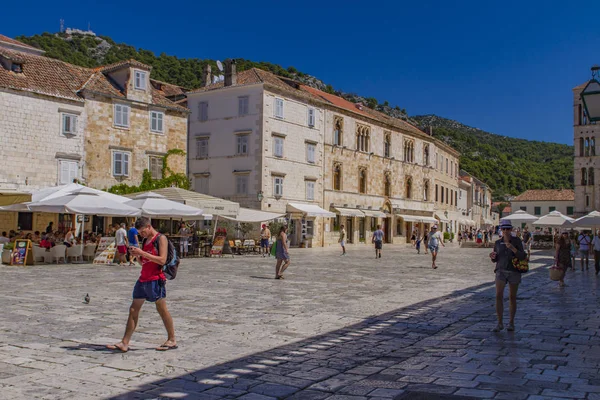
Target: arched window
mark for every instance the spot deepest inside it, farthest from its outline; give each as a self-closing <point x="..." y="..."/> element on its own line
<point x="387" y="185"/>
<point x="592" y="146"/>
<point x="425" y="190"/>
<point x="426" y="155"/>
<point x="409" y="151"/>
<point x="387" y="145"/>
<point x="363" y="134"/>
<point x="581" y="147"/>
<point x="408" y="188"/>
<point x="584" y="177"/>
<point x="587" y="147"/>
<point x="591" y="176"/>
<point x="362" y="180"/>
<point x="337" y="177"/>
<point x="338" y="129"/>
<point x="436" y="192"/>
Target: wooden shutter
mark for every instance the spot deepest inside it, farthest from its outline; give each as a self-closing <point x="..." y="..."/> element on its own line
<point x="72" y="171"/>
<point x="117" y="163"/>
<point x="126" y="164"/>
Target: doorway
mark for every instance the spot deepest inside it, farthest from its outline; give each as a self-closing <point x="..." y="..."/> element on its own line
<point x="98" y="224"/>
<point x="408" y="231"/>
<point x="387" y="229"/>
<point x="349" y="230"/>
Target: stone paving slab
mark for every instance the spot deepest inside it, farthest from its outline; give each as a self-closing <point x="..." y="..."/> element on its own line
<point x="337" y="328"/>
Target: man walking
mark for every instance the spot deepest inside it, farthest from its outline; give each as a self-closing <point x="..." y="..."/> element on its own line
<point x="377" y="239"/>
<point x="265" y="235"/>
<point x="596" y="245"/>
<point x="132" y="238"/>
<point x="584" y="249"/>
<point x="121" y="241"/>
<point x="434" y="238"/>
<point x="342" y="239"/>
<point x="527" y="239"/>
<point x="150" y="286"/>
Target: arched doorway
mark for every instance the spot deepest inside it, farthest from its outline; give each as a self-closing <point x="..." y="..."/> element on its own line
<point x="387" y="222"/>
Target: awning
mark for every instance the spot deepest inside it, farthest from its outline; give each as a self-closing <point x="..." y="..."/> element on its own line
<point x="349" y="212"/>
<point x="7" y="198"/>
<point x="311" y="210"/>
<point x="418" y="218"/>
<point x="488" y="222"/>
<point x="248" y="215"/>
<point x="442" y="219"/>
<point x="374" y="213"/>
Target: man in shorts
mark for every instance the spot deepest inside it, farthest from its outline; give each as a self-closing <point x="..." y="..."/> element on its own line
<point x="584" y="249"/>
<point x="434" y="238"/>
<point x="121" y="242"/>
<point x="378" y="241"/>
<point x="150" y="286"/>
<point x="265" y="235"/>
<point x="342" y="240"/>
<point x="527" y="240"/>
<point x="132" y="238"/>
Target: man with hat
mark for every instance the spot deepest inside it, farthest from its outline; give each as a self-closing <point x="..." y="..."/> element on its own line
<point x="265" y="235"/>
<point x="505" y="249"/>
<point x="434" y="238"/>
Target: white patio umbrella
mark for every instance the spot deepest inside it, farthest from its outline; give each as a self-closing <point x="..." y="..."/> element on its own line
<point x="591" y="219"/>
<point x="555" y="218"/>
<point x="520" y="216"/>
<point x="84" y="201"/>
<point x="155" y="205"/>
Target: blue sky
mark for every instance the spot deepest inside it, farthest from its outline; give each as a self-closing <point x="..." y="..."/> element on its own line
<point x="507" y="68"/>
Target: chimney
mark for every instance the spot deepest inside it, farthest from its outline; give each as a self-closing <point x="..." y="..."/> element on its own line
<point x="207" y="75"/>
<point x="230" y="72"/>
<point x="430" y="130"/>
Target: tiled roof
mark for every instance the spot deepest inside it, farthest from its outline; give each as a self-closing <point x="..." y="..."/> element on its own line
<point x="168" y="89"/>
<point x="125" y="63"/>
<point x="8" y="40"/>
<point x="547" y="195"/>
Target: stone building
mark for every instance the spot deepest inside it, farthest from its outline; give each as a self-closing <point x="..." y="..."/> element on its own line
<point x="586" y="158"/>
<point x="479" y="202"/>
<point x="541" y="202"/>
<point x="61" y="122"/>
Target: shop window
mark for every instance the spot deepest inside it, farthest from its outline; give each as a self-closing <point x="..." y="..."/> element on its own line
<point x="25" y="221"/>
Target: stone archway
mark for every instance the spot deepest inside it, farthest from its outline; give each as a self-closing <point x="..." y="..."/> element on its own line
<point x="387" y="222"/>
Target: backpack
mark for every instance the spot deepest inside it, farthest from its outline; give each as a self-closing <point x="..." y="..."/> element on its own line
<point x="172" y="263"/>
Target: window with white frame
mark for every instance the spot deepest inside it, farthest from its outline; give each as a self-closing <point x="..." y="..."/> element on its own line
<point x="140" y="80"/>
<point x="310" y="190"/>
<point x="278" y="108"/>
<point x="122" y="115"/>
<point x="157" y="121"/>
<point x="311" y="117"/>
<point x="241" y="184"/>
<point x="311" y="149"/>
<point x="155" y="166"/>
<point x="120" y="163"/>
<point x="68" y="171"/>
<point x="202" y="148"/>
<point x="69" y="124"/>
<point x="203" y="111"/>
<point x="310" y="227"/>
<point x="278" y="186"/>
<point x="242" y="144"/>
<point x="201" y="184"/>
<point x="278" y="146"/>
<point x="243" y="105"/>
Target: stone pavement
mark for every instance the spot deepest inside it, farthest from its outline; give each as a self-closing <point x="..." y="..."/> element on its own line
<point x="336" y="328"/>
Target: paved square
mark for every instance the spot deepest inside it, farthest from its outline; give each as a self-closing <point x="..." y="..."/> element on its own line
<point x="336" y="328"/>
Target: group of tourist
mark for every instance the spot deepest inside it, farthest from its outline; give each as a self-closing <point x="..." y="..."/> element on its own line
<point x="481" y="236"/>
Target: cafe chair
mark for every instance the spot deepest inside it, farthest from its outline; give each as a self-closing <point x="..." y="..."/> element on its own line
<point x="39" y="253"/>
<point x="89" y="251"/>
<point x="58" y="252"/>
<point x="75" y="252"/>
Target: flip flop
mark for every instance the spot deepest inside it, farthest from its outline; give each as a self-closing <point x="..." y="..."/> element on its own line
<point x="116" y="347"/>
<point x="165" y="347"/>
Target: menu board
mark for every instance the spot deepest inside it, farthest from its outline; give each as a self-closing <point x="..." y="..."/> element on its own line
<point x="217" y="247"/>
<point x="21" y="253"/>
<point x="104" y="243"/>
<point x="107" y="256"/>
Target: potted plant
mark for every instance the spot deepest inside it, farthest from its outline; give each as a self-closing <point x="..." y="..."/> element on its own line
<point x="7" y="252"/>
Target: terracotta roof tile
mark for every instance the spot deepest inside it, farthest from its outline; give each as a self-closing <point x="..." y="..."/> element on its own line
<point x="8" y="40"/>
<point x="125" y="63"/>
<point x="546" y="195"/>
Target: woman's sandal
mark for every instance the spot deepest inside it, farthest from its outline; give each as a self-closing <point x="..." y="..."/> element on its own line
<point x="118" y="347"/>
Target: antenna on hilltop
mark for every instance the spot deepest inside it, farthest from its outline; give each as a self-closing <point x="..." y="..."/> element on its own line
<point x="219" y="78"/>
<point x="62" y="25"/>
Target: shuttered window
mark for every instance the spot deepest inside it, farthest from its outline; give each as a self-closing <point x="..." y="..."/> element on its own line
<point x="69" y="124"/>
<point x="242" y="106"/>
<point x="157" y="121"/>
<point x="278" y="108"/>
<point x="155" y="166"/>
<point x="120" y="163"/>
<point x="203" y="111"/>
<point x="67" y="172"/>
<point x="140" y="80"/>
<point x="121" y="116"/>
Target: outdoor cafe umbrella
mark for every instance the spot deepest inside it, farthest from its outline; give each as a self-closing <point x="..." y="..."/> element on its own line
<point x="589" y="220"/>
<point x="154" y="205"/>
<point x="555" y="218"/>
<point x="521" y="216"/>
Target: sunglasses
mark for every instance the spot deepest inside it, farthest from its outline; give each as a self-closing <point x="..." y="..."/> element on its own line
<point x="507" y="229"/>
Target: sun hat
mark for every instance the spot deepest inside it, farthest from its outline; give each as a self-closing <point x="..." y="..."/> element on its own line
<point x="434" y="227"/>
<point x="505" y="224"/>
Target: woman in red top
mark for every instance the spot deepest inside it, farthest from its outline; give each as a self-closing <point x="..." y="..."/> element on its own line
<point x="150" y="285"/>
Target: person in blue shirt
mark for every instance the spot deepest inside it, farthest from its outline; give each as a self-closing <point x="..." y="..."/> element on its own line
<point x="132" y="237"/>
<point x="378" y="240"/>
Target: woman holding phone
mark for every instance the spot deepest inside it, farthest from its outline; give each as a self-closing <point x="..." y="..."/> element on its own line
<point x="505" y="249"/>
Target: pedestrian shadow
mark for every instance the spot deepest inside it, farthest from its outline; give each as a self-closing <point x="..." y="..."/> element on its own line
<point x="98" y="348"/>
<point x="363" y="357"/>
<point x="261" y="277"/>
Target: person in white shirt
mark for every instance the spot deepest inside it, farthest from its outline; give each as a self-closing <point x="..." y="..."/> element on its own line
<point x="434" y="238"/>
<point x="4" y="238"/>
<point x="584" y="241"/>
<point x="596" y="245"/>
<point x="122" y="243"/>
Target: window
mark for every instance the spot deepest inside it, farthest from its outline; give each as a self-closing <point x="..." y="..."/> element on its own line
<point x="584" y="177"/>
<point x="310" y="227"/>
<point x="581" y="147"/>
<point x="408" y="188"/>
<point x="442" y="194"/>
<point x="409" y="151"/>
<point x="16" y="67"/>
<point x="451" y="168"/>
<point x="387" y="145"/>
<point x="25" y="221"/>
<point x="446" y="195"/>
<point x="278" y="108"/>
<point x="338" y="124"/>
<point x="587" y="201"/>
<point x="311" y="148"/>
<point x="140" y="80"/>
<point x="426" y="155"/>
<point x="201" y="184"/>
<point x="363" y="134"/>
<point x="550" y="209"/>
<point x="69" y="124"/>
<point x="203" y="111"/>
<point x="451" y="197"/>
<point x="122" y="115"/>
<point x="446" y="165"/>
<point x="570" y="211"/>
<point x="202" y="148"/>
<point x="155" y="166"/>
<point x="387" y="185"/>
<point x="362" y="181"/>
<point x="67" y="171"/>
<point x="592" y="146"/>
<point x="156" y="121"/>
<point x="278" y="146"/>
<point x="425" y="190"/>
<point x="587" y="147"/>
<point x="120" y="163"/>
<point x="311" y="117"/>
<point x="436" y="192"/>
<point x="455" y="198"/>
<point x="243" y="106"/>
<point x="241" y="184"/>
<point x="278" y="186"/>
<point x="591" y="176"/>
<point x="337" y="177"/>
<point x="310" y="190"/>
<point x="242" y="144"/>
<point x="537" y="210"/>
<point x="524" y="208"/>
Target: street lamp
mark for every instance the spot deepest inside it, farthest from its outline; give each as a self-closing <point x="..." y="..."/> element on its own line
<point x="260" y="195"/>
<point x="590" y="96"/>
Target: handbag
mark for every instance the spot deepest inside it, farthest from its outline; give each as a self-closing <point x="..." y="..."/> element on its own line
<point x="521" y="265"/>
<point x="556" y="273"/>
<point x="274" y="248"/>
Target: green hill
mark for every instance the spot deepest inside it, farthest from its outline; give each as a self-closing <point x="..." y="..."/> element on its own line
<point x="510" y="166"/>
